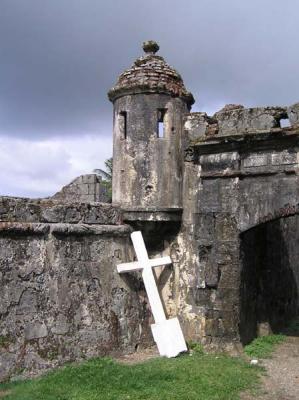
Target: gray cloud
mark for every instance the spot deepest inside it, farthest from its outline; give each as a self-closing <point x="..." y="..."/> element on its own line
<point x="58" y="58"/>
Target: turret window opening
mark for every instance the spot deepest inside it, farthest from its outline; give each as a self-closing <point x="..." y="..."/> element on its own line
<point x="122" y="121"/>
<point x="160" y="122"/>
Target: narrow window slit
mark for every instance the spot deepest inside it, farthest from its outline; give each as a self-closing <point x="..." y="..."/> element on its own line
<point x="123" y="124"/>
<point x="160" y="122"/>
<point x="284" y="123"/>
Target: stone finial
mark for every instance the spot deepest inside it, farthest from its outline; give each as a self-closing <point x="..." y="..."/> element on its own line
<point x="150" y="74"/>
<point x="150" y="47"/>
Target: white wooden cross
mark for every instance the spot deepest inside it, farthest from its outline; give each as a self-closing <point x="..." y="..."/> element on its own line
<point x="167" y="333"/>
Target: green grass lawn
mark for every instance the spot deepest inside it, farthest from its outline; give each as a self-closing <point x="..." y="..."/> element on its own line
<point x="263" y="347"/>
<point x="187" y="377"/>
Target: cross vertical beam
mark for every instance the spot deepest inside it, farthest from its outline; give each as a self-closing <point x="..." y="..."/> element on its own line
<point x="148" y="277"/>
<point x="167" y="333"/>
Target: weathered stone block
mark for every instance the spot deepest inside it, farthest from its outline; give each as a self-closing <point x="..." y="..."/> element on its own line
<point x="284" y="157"/>
<point x="232" y="121"/>
<point x="35" y="330"/>
<point x="219" y="162"/>
<point x="53" y="211"/>
<point x="293" y="113"/>
<point x="209" y="196"/>
<point x="204" y="227"/>
<point x="255" y="160"/>
<point x="83" y="189"/>
<point x="226" y="228"/>
<point x="196" y="125"/>
<point x="211" y="274"/>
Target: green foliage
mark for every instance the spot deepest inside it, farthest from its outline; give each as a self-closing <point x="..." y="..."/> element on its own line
<point x="200" y="377"/>
<point x="263" y="346"/>
<point x="195" y="347"/>
<point x="108" y="186"/>
<point x="109" y="167"/>
<point x="107" y="177"/>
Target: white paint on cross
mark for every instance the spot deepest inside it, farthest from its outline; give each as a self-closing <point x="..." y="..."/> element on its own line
<point x="167" y="333"/>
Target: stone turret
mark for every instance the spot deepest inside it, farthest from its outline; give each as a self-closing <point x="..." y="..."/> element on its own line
<point x="150" y="102"/>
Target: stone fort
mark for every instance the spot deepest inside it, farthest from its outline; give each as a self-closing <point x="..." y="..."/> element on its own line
<point x="219" y="194"/>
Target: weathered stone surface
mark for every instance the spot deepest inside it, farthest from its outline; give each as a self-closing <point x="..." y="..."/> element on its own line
<point x="219" y="194"/>
<point x="64" y="229"/>
<point x="240" y="187"/>
<point x="237" y="120"/>
<point x="147" y="160"/>
<point x="86" y="189"/>
<point x="53" y="211"/>
<point x="198" y="124"/>
<point x="61" y="296"/>
<point x="150" y="74"/>
<point x="35" y="330"/>
<point x="62" y="299"/>
<point x="293" y="114"/>
<point x="240" y="170"/>
<point x="147" y="169"/>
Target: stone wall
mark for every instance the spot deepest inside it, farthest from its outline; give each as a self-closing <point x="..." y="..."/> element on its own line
<point x="61" y="296"/>
<point x="234" y="182"/>
<point x="87" y="188"/>
<point x="293" y="113"/>
<point x="236" y="120"/>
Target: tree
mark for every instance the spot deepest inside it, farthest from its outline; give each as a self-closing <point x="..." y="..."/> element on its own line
<point x="106" y="177"/>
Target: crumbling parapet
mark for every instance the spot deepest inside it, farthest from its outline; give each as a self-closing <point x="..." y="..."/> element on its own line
<point x="234" y="120"/>
<point x="237" y="119"/>
<point x="87" y="188"/>
<point x="16" y="209"/>
<point x="293" y="113"/>
<point x="199" y="124"/>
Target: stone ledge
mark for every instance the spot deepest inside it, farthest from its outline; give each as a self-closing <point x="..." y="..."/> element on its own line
<point x="63" y="229"/>
<point x="254" y="171"/>
<point x="152" y="214"/>
<point x="258" y="134"/>
<point x="14" y="209"/>
<point x="275" y="138"/>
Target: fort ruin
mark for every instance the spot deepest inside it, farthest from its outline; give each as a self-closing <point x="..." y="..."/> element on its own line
<point x="219" y="194"/>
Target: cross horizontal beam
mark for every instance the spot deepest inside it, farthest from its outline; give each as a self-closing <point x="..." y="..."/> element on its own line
<point x="137" y="265"/>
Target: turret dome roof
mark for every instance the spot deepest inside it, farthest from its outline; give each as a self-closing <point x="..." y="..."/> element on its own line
<point x="150" y="74"/>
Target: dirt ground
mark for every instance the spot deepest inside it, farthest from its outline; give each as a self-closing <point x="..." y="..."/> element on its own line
<point x="139" y="356"/>
<point x="281" y="380"/>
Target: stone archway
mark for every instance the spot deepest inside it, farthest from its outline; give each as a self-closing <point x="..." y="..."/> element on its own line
<point x="269" y="286"/>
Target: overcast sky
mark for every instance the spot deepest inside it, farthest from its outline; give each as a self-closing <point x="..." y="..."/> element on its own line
<point x="58" y="59"/>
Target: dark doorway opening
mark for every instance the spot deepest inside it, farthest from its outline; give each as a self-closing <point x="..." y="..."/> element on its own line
<point x="269" y="298"/>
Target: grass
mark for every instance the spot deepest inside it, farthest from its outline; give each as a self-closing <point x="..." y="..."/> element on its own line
<point x="200" y="377"/>
<point x="263" y="347"/>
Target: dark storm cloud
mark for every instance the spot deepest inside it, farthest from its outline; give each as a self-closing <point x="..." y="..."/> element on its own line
<point x="58" y="58"/>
